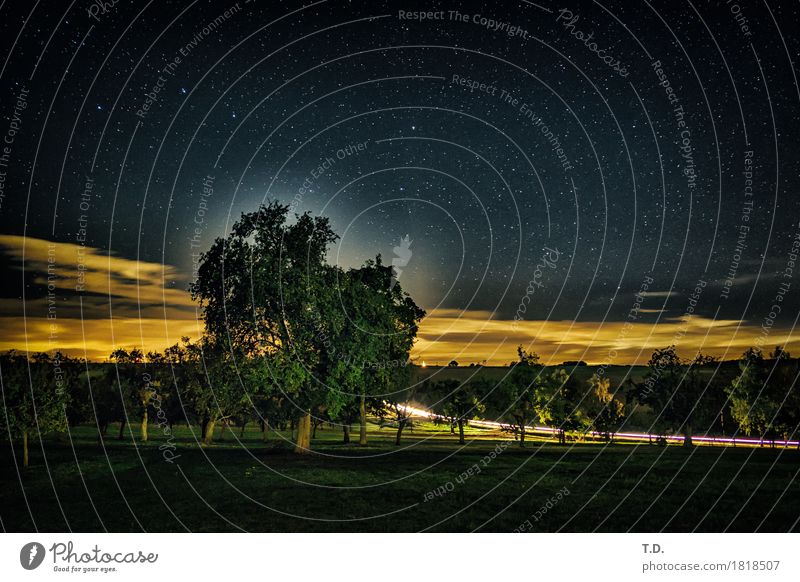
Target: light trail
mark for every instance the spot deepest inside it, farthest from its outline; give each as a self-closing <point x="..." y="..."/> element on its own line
<point x="624" y="436"/>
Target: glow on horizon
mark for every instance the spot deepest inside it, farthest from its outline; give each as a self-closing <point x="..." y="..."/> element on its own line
<point x="130" y="303"/>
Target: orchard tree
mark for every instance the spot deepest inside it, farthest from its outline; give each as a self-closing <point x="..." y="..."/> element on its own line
<point x="461" y="402"/>
<point x="135" y="387"/>
<point x="666" y="390"/>
<point x="373" y="343"/>
<point x="752" y="404"/>
<point x="525" y="393"/>
<point x="563" y="413"/>
<point x="606" y="412"/>
<point x="34" y="402"/>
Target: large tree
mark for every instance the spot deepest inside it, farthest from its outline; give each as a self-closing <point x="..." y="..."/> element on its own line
<point x="373" y="332"/>
<point x="264" y="289"/>
<point x="753" y="404"/>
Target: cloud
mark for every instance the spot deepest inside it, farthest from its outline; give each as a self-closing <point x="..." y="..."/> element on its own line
<point x="475" y="336"/>
<point x="128" y="303"/>
<point x="85" y="301"/>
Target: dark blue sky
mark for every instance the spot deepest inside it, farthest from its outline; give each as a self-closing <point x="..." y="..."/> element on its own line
<point x="629" y="177"/>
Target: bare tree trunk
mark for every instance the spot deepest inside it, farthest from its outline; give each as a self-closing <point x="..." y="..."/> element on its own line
<point x="204" y="428"/>
<point x="400" y="426"/>
<point x="346" y="437"/>
<point x="303" y="443"/>
<point x="241" y="430"/>
<point x="208" y="438"/>
<point x="144" y="426"/>
<point x="264" y="431"/>
<point x="522" y="435"/>
<point x="461" y="431"/>
<point x="25" y="448"/>
<point x="687" y="435"/>
<point x="362" y="411"/>
<point x="122" y="424"/>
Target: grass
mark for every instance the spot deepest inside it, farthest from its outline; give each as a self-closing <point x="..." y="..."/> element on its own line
<point x="255" y="486"/>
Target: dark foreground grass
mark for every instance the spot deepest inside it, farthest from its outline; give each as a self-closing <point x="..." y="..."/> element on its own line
<point x="264" y="487"/>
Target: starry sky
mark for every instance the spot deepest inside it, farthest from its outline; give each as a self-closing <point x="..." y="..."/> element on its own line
<point x="591" y="180"/>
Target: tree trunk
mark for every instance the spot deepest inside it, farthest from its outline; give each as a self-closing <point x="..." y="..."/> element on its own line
<point x="264" y="431"/>
<point x="122" y="429"/>
<point x="25" y="448"/>
<point x="522" y="435"/>
<point x="144" y="426"/>
<point x="208" y="437"/>
<point x="687" y="436"/>
<point x="314" y="430"/>
<point x="362" y="411"/>
<point x="203" y="428"/>
<point x="303" y="442"/>
<point x="101" y="431"/>
<point x="400" y="426"/>
<point x="346" y="437"/>
<point x="241" y="430"/>
<point x="461" y="432"/>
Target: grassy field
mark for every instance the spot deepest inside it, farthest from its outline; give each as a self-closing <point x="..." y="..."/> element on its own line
<point x="428" y="483"/>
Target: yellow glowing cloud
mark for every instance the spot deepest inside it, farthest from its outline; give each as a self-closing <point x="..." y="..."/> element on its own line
<point x="475" y="336"/>
<point x="121" y="303"/>
<point x="125" y="303"/>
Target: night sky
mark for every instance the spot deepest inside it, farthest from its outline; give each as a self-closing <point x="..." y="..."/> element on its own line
<point x="557" y="157"/>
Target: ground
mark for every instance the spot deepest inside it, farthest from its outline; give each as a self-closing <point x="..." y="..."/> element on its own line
<point x="428" y="483"/>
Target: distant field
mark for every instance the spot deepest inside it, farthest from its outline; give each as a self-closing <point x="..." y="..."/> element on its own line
<point x="428" y="483"/>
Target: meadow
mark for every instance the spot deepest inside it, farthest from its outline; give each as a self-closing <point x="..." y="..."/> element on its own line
<point x="428" y="483"/>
